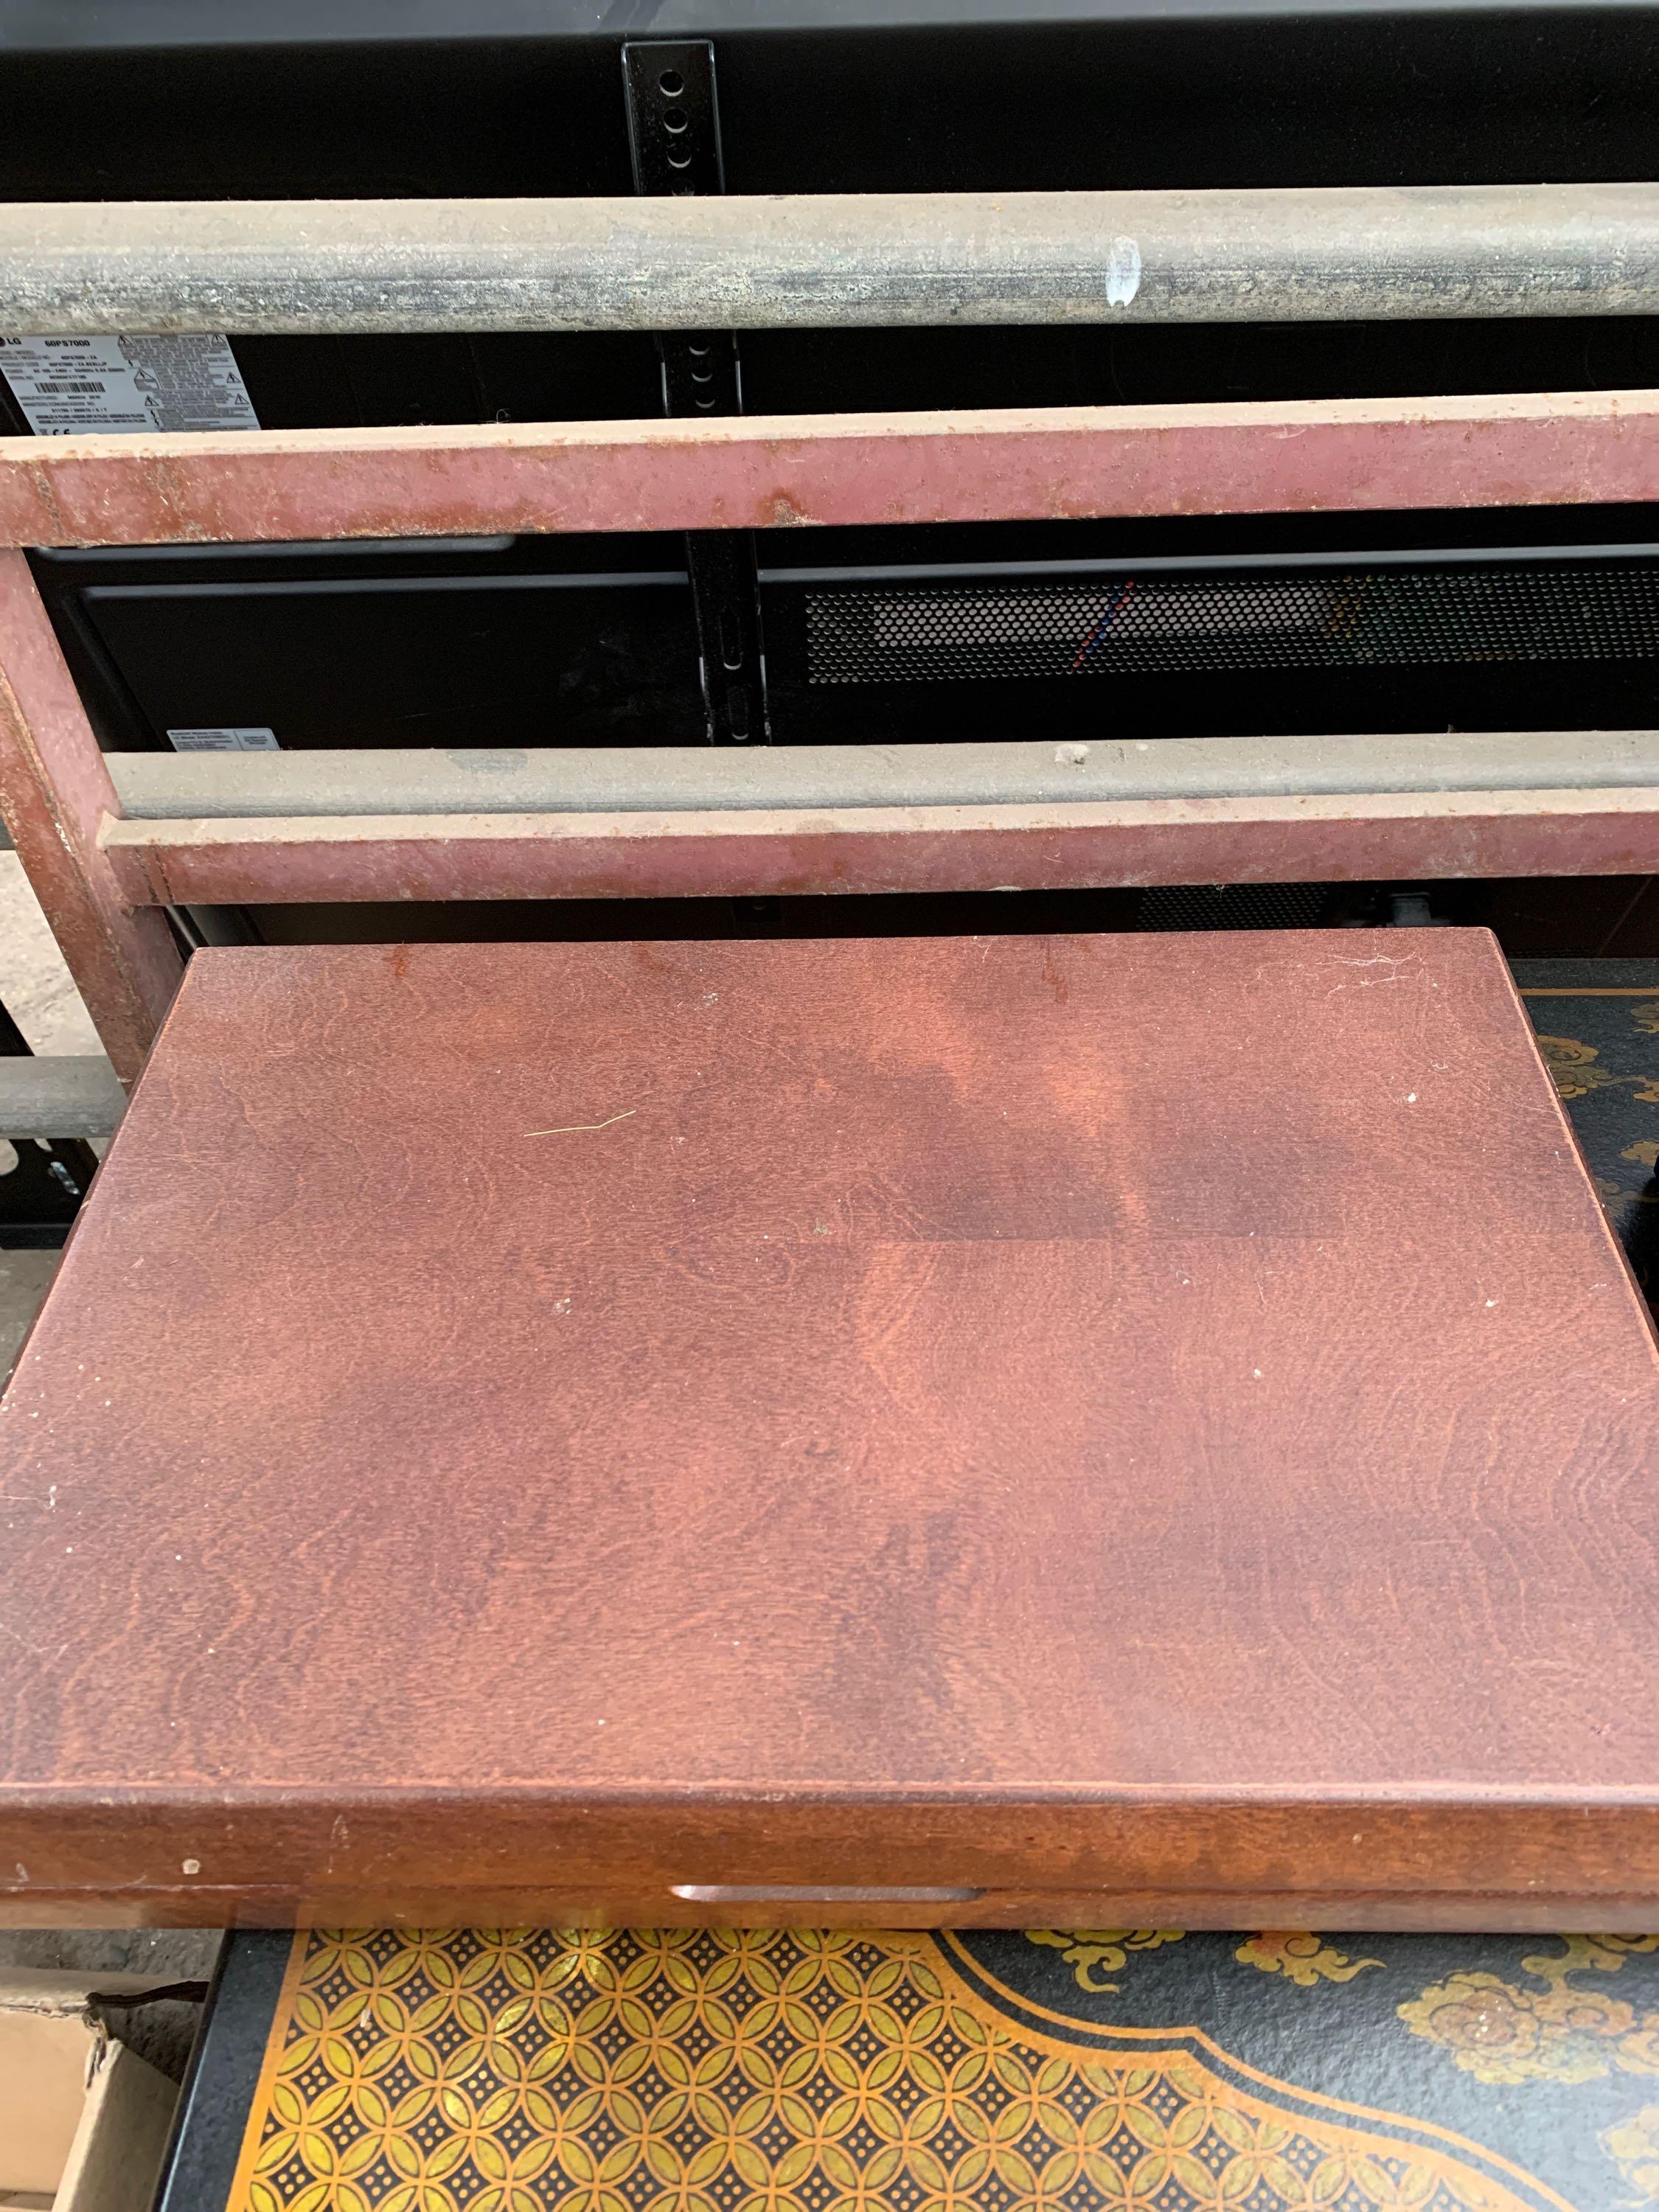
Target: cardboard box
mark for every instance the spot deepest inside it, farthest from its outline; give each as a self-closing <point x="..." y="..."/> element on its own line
<point x="83" y="2120"/>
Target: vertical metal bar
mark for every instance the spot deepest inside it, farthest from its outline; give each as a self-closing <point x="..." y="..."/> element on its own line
<point x="674" y="132"/>
<point x="54" y="790"/>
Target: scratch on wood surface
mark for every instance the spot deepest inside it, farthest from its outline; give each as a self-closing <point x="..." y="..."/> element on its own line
<point x="581" y="1129"/>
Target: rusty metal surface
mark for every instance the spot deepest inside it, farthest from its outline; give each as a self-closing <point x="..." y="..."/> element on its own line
<point x="779" y="472"/>
<point x="54" y="790"/>
<point x="936" y="848"/>
<point x="1366" y="253"/>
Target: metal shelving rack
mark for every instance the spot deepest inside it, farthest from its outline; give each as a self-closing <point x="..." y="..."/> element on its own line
<point x="107" y="860"/>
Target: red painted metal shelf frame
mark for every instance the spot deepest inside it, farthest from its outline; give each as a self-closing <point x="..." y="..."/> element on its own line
<point x="102" y="879"/>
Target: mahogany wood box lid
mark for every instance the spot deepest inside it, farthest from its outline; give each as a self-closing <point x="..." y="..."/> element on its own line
<point x="992" y="1429"/>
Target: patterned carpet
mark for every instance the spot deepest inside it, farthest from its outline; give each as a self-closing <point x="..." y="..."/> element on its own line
<point x="1100" y="2070"/>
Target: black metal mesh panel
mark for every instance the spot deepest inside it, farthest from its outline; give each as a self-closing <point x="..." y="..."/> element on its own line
<point x="1159" y="622"/>
<point x="1234" y="906"/>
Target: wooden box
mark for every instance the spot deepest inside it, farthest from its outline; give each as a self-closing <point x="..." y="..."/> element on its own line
<point x="1146" y="1430"/>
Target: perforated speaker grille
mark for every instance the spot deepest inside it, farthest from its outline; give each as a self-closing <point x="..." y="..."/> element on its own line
<point x="1234" y="906"/>
<point x="1154" y="624"/>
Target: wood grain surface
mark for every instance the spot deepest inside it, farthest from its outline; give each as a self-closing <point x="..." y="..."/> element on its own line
<point x="1149" y="1428"/>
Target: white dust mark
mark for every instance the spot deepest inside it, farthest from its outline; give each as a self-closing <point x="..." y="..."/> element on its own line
<point x="1123" y="273"/>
